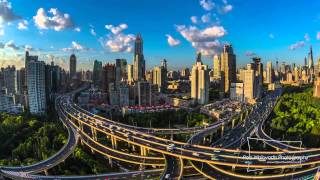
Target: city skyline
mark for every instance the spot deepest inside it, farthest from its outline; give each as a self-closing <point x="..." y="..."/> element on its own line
<point x="204" y="25"/>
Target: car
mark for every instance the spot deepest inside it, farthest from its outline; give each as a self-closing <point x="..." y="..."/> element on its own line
<point x="248" y="162"/>
<point x="167" y="176"/>
<point x="195" y="154"/>
<point x="170" y="147"/>
<point x="214" y="158"/>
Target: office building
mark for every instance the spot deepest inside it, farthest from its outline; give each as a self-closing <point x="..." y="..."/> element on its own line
<point x="96" y="72"/>
<point x="73" y="66"/>
<point x="200" y="82"/>
<point x="228" y="68"/>
<point x="138" y="60"/>
<point x="216" y="66"/>
<point x="36" y="87"/>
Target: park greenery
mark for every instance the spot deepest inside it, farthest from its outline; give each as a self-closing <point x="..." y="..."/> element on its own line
<point x="297" y="115"/>
<point x="166" y="119"/>
<point x="27" y="139"/>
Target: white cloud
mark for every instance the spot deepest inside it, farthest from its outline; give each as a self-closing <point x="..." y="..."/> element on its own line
<point x="58" y="21"/>
<point x="172" y="41"/>
<point x="207" y="4"/>
<point x="23" y="25"/>
<point x="307" y="37"/>
<point x="92" y="31"/>
<point x="77" y="29"/>
<point x="318" y="35"/>
<point x="297" y="45"/>
<point x="11" y="45"/>
<point x="206" y="18"/>
<point x="194" y="19"/>
<point x="204" y="40"/>
<point x="117" y="41"/>
<point x="193" y="34"/>
<point x="1" y="31"/>
<point x="271" y="36"/>
<point x="227" y="8"/>
<point x="116" y="29"/>
<point x="28" y="47"/>
<point x="6" y="13"/>
<point x="250" y="53"/>
<point x="76" y="47"/>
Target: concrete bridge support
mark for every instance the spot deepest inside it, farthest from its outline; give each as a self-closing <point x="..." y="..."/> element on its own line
<point x="114" y="142"/>
<point x="222" y="130"/>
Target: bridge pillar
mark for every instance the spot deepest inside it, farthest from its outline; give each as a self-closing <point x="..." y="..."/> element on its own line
<point x="222" y="130"/>
<point x="264" y="145"/>
<point x="171" y="137"/>
<point x="94" y="134"/>
<point x="114" y="142"/>
<point x="233" y="168"/>
<point x="133" y="147"/>
<point x="233" y="122"/>
<point x="81" y="126"/>
<point x="110" y="161"/>
<point x="46" y="172"/>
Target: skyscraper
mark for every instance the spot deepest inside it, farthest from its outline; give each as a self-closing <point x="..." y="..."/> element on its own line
<point x="143" y="89"/>
<point x="310" y="57"/>
<point x="9" y="76"/>
<point x="269" y="78"/>
<point x="96" y="72"/>
<point x="121" y="70"/>
<point x="27" y="59"/>
<point x="138" y="61"/>
<point x="108" y="75"/>
<point x="216" y="66"/>
<point x="36" y="87"/>
<point x="73" y="66"/>
<point x="130" y="73"/>
<point x="159" y="77"/>
<point x="228" y="68"/>
<point x="200" y="82"/>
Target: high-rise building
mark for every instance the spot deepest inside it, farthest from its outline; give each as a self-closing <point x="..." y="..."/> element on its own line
<point x="73" y="66"/>
<point x="143" y="95"/>
<point x="316" y="90"/>
<point x="9" y="76"/>
<point x="310" y="57"/>
<point x="216" y="66"/>
<point x="36" y="87"/>
<point x="185" y="73"/>
<point x="138" y="61"/>
<point x="121" y="70"/>
<point x="130" y="73"/>
<point x="124" y="95"/>
<point x="96" y="72"/>
<point x="200" y="82"/>
<point x="159" y="78"/>
<point x="228" y="68"/>
<point x="20" y="81"/>
<point x="249" y="82"/>
<point x="269" y="73"/>
<point x="108" y="75"/>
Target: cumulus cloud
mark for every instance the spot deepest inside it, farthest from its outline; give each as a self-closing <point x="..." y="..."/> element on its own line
<point x="92" y="31"/>
<point x="172" y="41"/>
<point x="318" y="35"/>
<point x="207" y="4"/>
<point x="57" y="21"/>
<point x="27" y="47"/>
<point x="297" y="45"/>
<point x="193" y="34"/>
<point x="226" y="7"/>
<point x="307" y="37"/>
<point x="6" y="12"/>
<point x="116" y="29"/>
<point x="250" y="53"/>
<point x="75" y="47"/>
<point x="23" y="25"/>
<point x="11" y="45"/>
<point x="194" y="19"/>
<point x="77" y="29"/>
<point x="204" y="40"/>
<point x="206" y="18"/>
<point x="117" y="41"/>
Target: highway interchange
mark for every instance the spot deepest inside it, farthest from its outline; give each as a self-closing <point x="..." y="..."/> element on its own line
<point x="210" y="161"/>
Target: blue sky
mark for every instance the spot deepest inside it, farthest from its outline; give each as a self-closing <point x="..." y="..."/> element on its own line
<point x="271" y="29"/>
